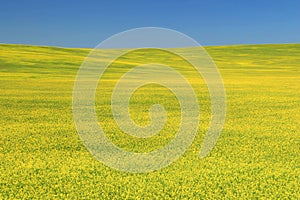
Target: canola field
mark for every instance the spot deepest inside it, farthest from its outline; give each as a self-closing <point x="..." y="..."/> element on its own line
<point x="257" y="154"/>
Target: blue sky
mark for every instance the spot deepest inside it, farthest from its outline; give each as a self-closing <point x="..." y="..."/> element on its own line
<point x="210" y="22"/>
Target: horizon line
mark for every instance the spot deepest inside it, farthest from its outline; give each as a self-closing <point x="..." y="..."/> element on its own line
<point x="65" y="47"/>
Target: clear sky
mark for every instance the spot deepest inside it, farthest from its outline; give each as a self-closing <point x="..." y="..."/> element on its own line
<point x="86" y="23"/>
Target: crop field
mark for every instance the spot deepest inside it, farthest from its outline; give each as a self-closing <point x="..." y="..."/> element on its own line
<point x="256" y="156"/>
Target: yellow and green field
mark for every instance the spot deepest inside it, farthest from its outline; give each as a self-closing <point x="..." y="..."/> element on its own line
<point x="257" y="154"/>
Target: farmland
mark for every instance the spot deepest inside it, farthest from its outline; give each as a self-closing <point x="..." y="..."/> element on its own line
<point x="257" y="154"/>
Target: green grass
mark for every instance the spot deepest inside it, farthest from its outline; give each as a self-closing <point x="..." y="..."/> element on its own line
<point x="257" y="155"/>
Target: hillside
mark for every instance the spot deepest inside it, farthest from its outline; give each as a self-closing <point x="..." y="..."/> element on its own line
<point x="257" y="155"/>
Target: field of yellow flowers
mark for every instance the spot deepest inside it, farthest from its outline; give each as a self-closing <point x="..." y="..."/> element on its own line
<point x="257" y="154"/>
